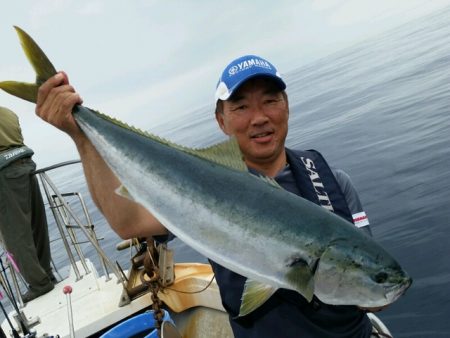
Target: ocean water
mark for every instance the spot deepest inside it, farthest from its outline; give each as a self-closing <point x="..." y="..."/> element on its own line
<point x="380" y="110"/>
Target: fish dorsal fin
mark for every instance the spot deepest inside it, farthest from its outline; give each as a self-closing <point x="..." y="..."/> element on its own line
<point x="270" y="180"/>
<point x="254" y="295"/>
<point x="226" y="153"/>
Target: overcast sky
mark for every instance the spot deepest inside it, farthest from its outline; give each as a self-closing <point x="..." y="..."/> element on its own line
<point x="148" y="62"/>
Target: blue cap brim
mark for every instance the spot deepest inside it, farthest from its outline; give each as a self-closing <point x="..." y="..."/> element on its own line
<point x="223" y="93"/>
<point x="243" y="69"/>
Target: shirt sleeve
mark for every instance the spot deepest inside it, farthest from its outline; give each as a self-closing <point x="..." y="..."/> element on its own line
<point x="360" y="218"/>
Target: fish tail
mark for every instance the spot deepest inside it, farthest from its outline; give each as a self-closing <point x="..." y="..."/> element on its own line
<point x="42" y="66"/>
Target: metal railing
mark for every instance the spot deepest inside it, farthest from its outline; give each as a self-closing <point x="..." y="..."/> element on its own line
<point x="67" y="221"/>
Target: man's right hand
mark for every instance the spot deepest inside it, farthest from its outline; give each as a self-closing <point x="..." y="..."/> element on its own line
<point x="55" y="101"/>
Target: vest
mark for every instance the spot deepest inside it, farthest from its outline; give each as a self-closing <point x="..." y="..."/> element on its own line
<point x="287" y="310"/>
<point x="312" y="174"/>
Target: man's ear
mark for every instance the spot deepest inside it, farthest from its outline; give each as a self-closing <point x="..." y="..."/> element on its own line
<point x="221" y="122"/>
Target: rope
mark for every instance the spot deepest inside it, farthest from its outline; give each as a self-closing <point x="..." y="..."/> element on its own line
<point x="152" y="272"/>
<point x="151" y="278"/>
<point x="193" y="292"/>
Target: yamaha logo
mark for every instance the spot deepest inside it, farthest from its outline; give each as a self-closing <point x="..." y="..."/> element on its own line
<point x="247" y="64"/>
<point x="233" y="70"/>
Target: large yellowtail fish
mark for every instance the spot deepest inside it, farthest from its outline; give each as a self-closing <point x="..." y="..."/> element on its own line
<point x="250" y="225"/>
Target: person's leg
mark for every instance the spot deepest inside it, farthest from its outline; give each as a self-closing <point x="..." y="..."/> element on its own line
<point x="15" y="224"/>
<point x="39" y="227"/>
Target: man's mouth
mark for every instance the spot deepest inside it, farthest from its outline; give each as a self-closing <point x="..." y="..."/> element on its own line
<point x="262" y="134"/>
<point x="262" y="137"/>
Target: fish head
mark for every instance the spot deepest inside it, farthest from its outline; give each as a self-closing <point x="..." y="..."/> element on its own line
<point x="362" y="274"/>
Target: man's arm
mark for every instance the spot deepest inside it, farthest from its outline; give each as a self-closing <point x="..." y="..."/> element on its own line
<point x="354" y="204"/>
<point x="56" y="99"/>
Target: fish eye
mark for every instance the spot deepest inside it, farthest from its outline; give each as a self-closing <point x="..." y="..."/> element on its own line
<point x="381" y="277"/>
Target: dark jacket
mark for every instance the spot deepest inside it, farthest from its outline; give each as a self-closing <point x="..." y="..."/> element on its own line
<point x="287" y="314"/>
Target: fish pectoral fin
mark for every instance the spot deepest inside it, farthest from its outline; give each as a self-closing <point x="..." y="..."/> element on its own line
<point x="123" y="191"/>
<point x="254" y="295"/>
<point x="302" y="275"/>
<point x="225" y="153"/>
<point x="307" y="289"/>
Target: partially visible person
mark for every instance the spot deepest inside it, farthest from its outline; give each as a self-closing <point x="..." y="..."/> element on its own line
<point x="252" y="106"/>
<point x="23" y="222"/>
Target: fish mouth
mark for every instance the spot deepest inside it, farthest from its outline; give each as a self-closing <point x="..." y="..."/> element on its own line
<point x="398" y="289"/>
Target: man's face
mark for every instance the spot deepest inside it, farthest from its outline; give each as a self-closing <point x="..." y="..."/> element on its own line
<point x="257" y="115"/>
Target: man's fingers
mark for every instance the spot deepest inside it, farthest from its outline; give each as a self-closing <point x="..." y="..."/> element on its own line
<point x="56" y="99"/>
<point x="44" y="90"/>
<point x="65" y="77"/>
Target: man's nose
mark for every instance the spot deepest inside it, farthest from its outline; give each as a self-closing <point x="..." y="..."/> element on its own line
<point x="259" y="115"/>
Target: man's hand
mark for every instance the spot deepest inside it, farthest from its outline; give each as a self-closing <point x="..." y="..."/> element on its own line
<point x="55" y="101"/>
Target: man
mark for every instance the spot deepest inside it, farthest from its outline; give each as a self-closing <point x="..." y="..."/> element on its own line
<point x="251" y="105"/>
<point x="23" y="222"/>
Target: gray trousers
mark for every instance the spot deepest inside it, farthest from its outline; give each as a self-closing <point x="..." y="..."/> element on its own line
<point x="23" y="222"/>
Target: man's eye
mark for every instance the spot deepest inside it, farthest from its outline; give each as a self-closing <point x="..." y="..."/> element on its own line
<point x="239" y="108"/>
<point x="270" y="101"/>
